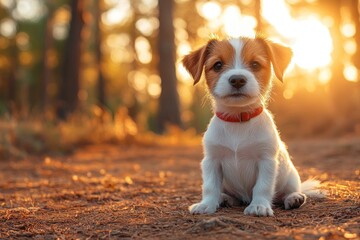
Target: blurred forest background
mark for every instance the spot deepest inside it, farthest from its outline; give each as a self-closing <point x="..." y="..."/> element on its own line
<point x="89" y="71"/>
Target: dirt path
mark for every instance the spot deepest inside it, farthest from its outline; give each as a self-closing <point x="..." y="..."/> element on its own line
<point x="125" y="192"/>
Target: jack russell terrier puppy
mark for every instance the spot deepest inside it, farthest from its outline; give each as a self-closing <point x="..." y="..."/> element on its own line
<point x="245" y="161"/>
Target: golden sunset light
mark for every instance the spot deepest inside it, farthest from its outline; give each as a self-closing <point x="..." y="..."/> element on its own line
<point x="179" y="119"/>
<point x="308" y="36"/>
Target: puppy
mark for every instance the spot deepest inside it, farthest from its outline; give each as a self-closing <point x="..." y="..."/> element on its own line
<point x="245" y="161"/>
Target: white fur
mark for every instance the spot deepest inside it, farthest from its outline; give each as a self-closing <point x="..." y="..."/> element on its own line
<point x="247" y="161"/>
<point x="223" y="88"/>
<point x="237" y="45"/>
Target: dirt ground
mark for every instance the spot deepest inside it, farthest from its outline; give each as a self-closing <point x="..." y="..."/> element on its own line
<point x="142" y="192"/>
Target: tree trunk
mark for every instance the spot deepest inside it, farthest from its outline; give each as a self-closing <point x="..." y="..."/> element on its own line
<point x="12" y="98"/>
<point x="46" y="71"/>
<point x="101" y="80"/>
<point x="12" y="103"/>
<point x="354" y="7"/>
<point x="68" y="95"/>
<point x="169" y="107"/>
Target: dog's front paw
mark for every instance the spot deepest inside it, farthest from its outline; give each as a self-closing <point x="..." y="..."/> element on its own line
<point x="259" y="210"/>
<point x="202" y="208"/>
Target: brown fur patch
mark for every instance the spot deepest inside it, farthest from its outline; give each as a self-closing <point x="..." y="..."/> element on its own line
<point x="254" y="50"/>
<point x="220" y="51"/>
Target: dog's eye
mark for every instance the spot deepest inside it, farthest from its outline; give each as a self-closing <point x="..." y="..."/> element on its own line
<point x="217" y="66"/>
<point x="255" y="66"/>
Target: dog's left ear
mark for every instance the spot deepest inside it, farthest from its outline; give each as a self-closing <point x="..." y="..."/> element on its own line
<point x="280" y="57"/>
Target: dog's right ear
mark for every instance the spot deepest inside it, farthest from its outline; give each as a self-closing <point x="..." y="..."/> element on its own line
<point x="194" y="61"/>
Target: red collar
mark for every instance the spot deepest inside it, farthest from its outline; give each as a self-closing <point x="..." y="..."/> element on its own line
<point x="242" y="117"/>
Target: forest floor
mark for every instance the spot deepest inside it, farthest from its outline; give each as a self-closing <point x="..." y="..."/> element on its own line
<point x="143" y="192"/>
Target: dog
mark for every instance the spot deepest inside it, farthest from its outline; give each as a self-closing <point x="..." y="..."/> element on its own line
<point x="245" y="160"/>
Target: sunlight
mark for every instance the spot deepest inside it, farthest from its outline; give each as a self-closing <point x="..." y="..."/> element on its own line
<point x="121" y="55"/>
<point x="185" y="76"/>
<point x="236" y="24"/>
<point x="116" y="40"/>
<point x="7" y="3"/>
<point x="111" y="3"/>
<point x="61" y="23"/>
<point x="183" y="48"/>
<point x="181" y="34"/>
<point x="325" y="76"/>
<point x="8" y="28"/>
<point x="117" y="44"/>
<point x="180" y="30"/>
<point x="154" y="90"/>
<point x="312" y="45"/>
<point x="60" y="31"/>
<point x="309" y="38"/>
<point x="350" y="46"/>
<point x="350" y="73"/>
<point x="209" y="10"/>
<point x="118" y="14"/>
<point x="288" y="93"/>
<point x="29" y="10"/>
<point x="138" y="80"/>
<point x="143" y="50"/>
<point x="146" y="6"/>
<point x="147" y="26"/>
<point x="348" y="30"/>
<point x="277" y="13"/>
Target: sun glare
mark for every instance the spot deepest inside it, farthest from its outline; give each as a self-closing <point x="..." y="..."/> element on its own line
<point x="118" y="14"/>
<point x="348" y="30"/>
<point x="325" y="76"/>
<point x="232" y="22"/>
<point x="209" y="10"/>
<point x="277" y="13"/>
<point x="8" y="27"/>
<point x="236" y="24"/>
<point x="143" y="50"/>
<point x="147" y="26"/>
<point x="350" y="73"/>
<point x="7" y="3"/>
<point x="309" y="37"/>
<point x="312" y="44"/>
<point x="350" y="46"/>
<point x="29" y="10"/>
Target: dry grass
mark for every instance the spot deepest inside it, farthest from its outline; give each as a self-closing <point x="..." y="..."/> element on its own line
<point x="23" y="136"/>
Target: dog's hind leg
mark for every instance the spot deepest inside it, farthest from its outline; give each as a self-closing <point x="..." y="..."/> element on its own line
<point x="293" y="197"/>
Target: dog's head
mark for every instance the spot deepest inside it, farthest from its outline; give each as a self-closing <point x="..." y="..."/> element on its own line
<point x="238" y="71"/>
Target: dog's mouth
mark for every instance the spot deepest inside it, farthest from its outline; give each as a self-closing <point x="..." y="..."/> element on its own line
<point x="236" y="95"/>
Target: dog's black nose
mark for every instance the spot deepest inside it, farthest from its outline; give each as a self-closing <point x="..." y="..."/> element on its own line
<point x="237" y="81"/>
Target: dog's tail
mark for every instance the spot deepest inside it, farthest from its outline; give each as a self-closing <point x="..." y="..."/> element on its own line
<point x="311" y="188"/>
